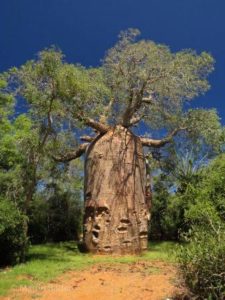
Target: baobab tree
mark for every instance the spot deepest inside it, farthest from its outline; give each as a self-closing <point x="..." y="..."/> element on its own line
<point x="140" y="84"/>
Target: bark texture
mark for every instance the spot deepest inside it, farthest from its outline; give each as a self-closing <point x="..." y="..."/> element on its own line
<point x="116" y="206"/>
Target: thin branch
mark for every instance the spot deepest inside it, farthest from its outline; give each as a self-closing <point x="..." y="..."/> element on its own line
<point x="160" y="143"/>
<point x="49" y="126"/>
<point x="147" y="100"/>
<point x="72" y="155"/>
<point x="135" y="120"/>
<point x="87" y="138"/>
<point x="104" y="115"/>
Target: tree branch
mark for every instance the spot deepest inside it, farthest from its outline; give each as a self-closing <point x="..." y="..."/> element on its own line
<point x="103" y="117"/>
<point x="87" y="138"/>
<point x="147" y="100"/>
<point x="160" y="143"/>
<point x="135" y="103"/>
<point x="72" y="155"/>
<point x="98" y="126"/>
<point x="49" y="126"/>
<point x="135" y="120"/>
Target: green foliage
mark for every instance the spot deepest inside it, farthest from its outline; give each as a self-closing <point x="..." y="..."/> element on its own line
<point x="56" y="211"/>
<point x="6" y="101"/>
<point x="187" y="192"/>
<point x="173" y="194"/>
<point x="167" y="221"/>
<point x="138" y="78"/>
<point x="24" y="161"/>
<point x="143" y="69"/>
<point x="163" y="224"/>
<point x="13" y="229"/>
<point x="65" y="217"/>
<point x="12" y="132"/>
<point x="189" y="204"/>
<point x="204" y="133"/>
<point x="58" y="218"/>
<point x="202" y="262"/>
<point x="208" y="204"/>
<point x="38" y="221"/>
<point x="64" y="91"/>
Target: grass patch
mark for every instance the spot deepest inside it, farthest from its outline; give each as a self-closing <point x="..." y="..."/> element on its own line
<point x="45" y="262"/>
<point x="161" y="251"/>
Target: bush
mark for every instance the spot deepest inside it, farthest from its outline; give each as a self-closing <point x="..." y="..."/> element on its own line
<point x="168" y="209"/>
<point x="202" y="262"/>
<point x="167" y="218"/>
<point x="38" y="226"/>
<point x="13" y="234"/>
<point x="65" y="217"/>
<point x="56" y="219"/>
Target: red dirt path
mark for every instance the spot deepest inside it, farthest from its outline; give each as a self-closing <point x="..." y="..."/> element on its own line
<point x="136" y="281"/>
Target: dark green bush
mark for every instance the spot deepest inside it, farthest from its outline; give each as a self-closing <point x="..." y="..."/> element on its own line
<point x="13" y="233"/>
<point x="65" y="217"/>
<point x="202" y="263"/>
<point x="167" y="212"/>
<point x="56" y="219"/>
<point x="38" y="227"/>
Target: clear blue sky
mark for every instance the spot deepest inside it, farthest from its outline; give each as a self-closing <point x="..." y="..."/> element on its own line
<point x="84" y="30"/>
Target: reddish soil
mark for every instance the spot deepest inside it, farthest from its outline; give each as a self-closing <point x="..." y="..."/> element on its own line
<point x="135" y="281"/>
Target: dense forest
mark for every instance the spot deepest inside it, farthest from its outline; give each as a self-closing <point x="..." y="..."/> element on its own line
<point x="48" y="106"/>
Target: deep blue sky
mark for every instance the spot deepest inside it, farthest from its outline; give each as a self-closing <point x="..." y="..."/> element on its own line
<point x="84" y="30"/>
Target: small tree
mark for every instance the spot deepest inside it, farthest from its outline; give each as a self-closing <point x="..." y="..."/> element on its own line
<point x="138" y="83"/>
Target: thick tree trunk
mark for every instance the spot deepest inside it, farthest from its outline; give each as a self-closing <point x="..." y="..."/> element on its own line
<point x="116" y="208"/>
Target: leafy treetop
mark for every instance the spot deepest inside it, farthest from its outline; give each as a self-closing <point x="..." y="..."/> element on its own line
<point x="138" y="80"/>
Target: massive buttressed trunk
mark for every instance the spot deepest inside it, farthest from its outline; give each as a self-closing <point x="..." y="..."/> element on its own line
<point x="116" y="206"/>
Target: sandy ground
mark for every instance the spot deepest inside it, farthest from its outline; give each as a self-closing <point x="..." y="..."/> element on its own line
<point x="136" y="281"/>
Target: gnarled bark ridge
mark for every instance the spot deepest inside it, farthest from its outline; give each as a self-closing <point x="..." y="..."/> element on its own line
<point x="116" y="206"/>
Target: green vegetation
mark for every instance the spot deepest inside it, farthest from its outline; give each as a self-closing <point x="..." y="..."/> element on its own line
<point x="202" y="261"/>
<point x="13" y="234"/>
<point x="45" y="262"/>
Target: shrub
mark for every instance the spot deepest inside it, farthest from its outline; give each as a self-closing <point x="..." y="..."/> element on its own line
<point x="202" y="262"/>
<point x="65" y="217"/>
<point x="13" y="233"/>
<point x="56" y="219"/>
<point x="38" y="226"/>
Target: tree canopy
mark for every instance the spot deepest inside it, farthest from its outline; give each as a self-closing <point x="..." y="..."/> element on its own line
<point x="138" y="81"/>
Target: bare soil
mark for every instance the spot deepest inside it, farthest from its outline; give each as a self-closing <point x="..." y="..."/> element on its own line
<point x="135" y="281"/>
